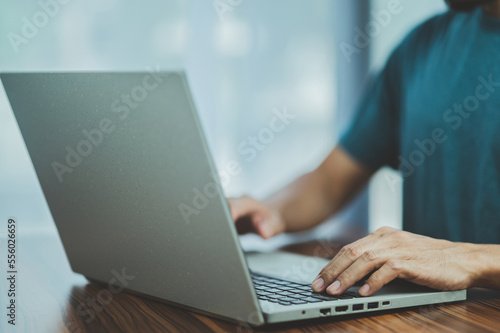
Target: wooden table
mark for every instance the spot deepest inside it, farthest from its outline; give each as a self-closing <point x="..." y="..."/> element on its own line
<point x="54" y="299"/>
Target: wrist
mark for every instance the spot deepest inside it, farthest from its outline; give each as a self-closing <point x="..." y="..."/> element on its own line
<point x="480" y="262"/>
<point x="472" y="263"/>
<point x="276" y="207"/>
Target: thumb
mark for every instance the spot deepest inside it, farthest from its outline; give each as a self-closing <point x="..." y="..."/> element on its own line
<point x="264" y="228"/>
<point x="240" y="207"/>
<point x="265" y="225"/>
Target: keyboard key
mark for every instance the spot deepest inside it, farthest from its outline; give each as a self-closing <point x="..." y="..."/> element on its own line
<point x="309" y="293"/>
<point x="280" y="282"/>
<point x="272" y="300"/>
<point x="259" y="282"/>
<point x="306" y="288"/>
<point x="288" y="299"/>
<point x="287" y="293"/>
<point x="272" y="285"/>
<point x="280" y="290"/>
<point x="273" y="290"/>
<point x="312" y="300"/>
<point x="327" y="298"/>
<point x="285" y="288"/>
<point x="299" y="302"/>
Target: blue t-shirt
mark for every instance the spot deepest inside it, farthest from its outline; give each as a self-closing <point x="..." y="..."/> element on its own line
<point x="434" y="114"/>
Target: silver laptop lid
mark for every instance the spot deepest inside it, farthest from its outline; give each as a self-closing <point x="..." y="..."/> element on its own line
<point x="128" y="178"/>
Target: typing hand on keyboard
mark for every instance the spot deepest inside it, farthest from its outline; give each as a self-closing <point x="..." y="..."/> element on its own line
<point x="287" y="292"/>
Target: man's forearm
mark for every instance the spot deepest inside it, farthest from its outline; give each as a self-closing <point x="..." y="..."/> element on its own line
<point x="314" y="197"/>
<point x="304" y="203"/>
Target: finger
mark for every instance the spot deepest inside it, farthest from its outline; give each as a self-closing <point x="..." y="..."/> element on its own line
<point x="359" y="242"/>
<point x="247" y="214"/>
<point x="345" y="258"/>
<point x="241" y="206"/>
<point x="347" y="255"/>
<point x="242" y="214"/>
<point x="388" y="272"/>
<point x="367" y="262"/>
<point x="264" y="229"/>
<point x="379" y="233"/>
<point x="382" y="231"/>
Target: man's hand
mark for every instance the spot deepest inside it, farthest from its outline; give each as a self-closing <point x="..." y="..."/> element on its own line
<point x="391" y="254"/>
<point x="251" y="215"/>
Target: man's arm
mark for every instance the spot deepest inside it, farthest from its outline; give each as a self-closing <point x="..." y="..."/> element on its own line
<point x="307" y="201"/>
<point x="391" y="253"/>
<point x="388" y="253"/>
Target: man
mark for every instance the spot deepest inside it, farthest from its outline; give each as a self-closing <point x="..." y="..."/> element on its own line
<point x="434" y="113"/>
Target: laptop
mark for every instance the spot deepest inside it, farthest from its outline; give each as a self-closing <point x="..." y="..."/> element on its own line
<point x="126" y="172"/>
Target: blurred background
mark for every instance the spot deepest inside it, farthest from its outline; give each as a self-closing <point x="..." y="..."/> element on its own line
<point x="245" y="59"/>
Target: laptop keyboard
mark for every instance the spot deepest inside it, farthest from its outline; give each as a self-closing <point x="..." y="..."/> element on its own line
<point x="287" y="292"/>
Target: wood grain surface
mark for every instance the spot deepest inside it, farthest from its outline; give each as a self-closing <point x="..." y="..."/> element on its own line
<point x="52" y="298"/>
